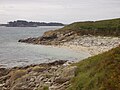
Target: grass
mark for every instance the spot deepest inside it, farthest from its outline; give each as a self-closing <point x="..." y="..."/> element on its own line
<point x="38" y="69"/>
<point x="45" y="88"/>
<point x="104" y="27"/>
<point x="100" y="72"/>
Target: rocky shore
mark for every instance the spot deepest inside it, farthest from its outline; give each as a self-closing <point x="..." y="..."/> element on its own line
<point x="70" y="39"/>
<point x="52" y="38"/>
<point x="46" y="76"/>
<point x="97" y="72"/>
<point x="92" y="44"/>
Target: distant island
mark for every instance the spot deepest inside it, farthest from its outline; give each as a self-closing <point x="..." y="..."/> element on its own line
<point x="23" y="23"/>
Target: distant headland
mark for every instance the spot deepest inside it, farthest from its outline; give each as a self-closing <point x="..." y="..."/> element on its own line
<point x="23" y="23"/>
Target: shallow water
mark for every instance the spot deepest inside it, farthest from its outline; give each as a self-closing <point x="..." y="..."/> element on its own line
<point x="14" y="53"/>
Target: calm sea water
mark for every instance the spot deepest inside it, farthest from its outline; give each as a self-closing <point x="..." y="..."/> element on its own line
<point x="14" y="53"/>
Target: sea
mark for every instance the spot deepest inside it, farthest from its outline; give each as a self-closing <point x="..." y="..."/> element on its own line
<point x="15" y="54"/>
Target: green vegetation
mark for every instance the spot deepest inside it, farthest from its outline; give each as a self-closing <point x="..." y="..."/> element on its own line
<point x="104" y="27"/>
<point x="38" y="69"/>
<point x="100" y="72"/>
<point x="45" y="88"/>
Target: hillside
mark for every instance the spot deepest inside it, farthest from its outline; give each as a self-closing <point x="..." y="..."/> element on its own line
<point x="104" y="27"/>
<point x="100" y="72"/>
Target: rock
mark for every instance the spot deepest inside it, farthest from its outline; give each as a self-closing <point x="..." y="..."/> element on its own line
<point x="35" y="88"/>
<point x="55" y="76"/>
<point x="69" y="71"/>
<point x="52" y="87"/>
<point x="37" y="85"/>
<point x="61" y="80"/>
<point x="65" y="74"/>
<point x="67" y="63"/>
<point x="1" y="85"/>
<point x="55" y="63"/>
<point x="48" y="83"/>
<point x="45" y="80"/>
<point x="53" y="68"/>
<point x="40" y="78"/>
<point x="51" y="38"/>
<point x="32" y="80"/>
<point x="31" y="85"/>
<point x="49" y="35"/>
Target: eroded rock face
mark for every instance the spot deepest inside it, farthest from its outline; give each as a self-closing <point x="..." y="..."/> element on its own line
<point x="50" y="35"/>
<point x="53" y="76"/>
<point x="51" y="38"/>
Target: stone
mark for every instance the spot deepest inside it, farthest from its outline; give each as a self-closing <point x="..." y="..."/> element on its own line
<point x="48" y="83"/>
<point x="32" y="80"/>
<point x="1" y="85"/>
<point x="52" y="87"/>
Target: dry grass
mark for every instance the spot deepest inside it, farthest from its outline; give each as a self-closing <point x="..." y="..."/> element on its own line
<point x="17" y="74"/>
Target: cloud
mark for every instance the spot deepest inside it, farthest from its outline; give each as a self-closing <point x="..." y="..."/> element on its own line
<point x="65" y="11"/>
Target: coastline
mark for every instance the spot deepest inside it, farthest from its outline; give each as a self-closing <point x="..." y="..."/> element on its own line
<point x="53" y="76"/>
<point x="90" y="73"/>
<point x="91" y="44"/>
<point x="71" y="39"/>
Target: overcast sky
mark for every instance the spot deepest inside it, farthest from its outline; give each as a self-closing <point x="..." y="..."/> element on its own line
<point x="65" y="11"/>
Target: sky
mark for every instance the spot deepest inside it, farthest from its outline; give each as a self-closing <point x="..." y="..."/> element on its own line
<point x="64" y="11"/>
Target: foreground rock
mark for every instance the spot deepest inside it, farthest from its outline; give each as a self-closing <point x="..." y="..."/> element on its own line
<point x="51" y="76"/>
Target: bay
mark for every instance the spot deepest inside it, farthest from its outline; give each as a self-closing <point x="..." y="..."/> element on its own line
<point x="14" y="53"/>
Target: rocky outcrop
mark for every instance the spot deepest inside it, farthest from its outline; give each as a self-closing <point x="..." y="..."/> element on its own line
<point x="70" y="39"/>
<point x="52" y="38"/>
<point x="51" y="76"/>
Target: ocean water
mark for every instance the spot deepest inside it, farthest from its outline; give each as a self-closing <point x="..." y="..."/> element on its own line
<point x="14" y="53"/>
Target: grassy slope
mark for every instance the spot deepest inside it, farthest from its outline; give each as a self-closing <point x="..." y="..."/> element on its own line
<point x="103" y="27"/>
<point x="100" y="72"/>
